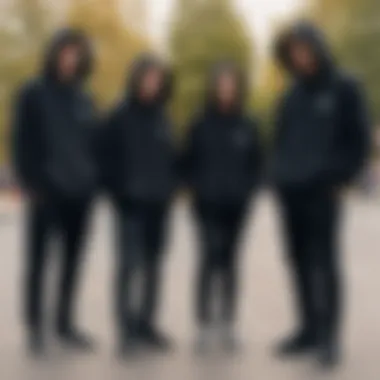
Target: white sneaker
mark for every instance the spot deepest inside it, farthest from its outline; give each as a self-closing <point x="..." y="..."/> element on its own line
<point x="204" y="340"/>
<point x="229" y="339"/>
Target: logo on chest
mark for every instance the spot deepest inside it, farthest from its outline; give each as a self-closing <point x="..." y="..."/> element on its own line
<point x="325" y="104"/>
<point x="239" y="139"/>
<point x="162" y="133"/>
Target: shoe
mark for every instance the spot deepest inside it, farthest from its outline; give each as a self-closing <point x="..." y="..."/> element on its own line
<point x="328" y="355"/>
<point x="75" y="339"/>
<point x="36" y="344"/>
<point x="154" y="339"/>
<point x="128" y="347"/>
<point x="297" y="345"/>
<point x="204" y="340"/>
<point x="229" y="339"/>
<point x="129" y="342"/>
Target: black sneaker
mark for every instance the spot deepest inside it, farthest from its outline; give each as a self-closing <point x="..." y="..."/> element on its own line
<point x="36" y="343"/>
<point x="128" y="347"/>
<point x="328" y="355"/>
<point x="297" y="345"/>
<point x="75" y="339"/>
<point x="154" y="339"/>
<point x="129" y="342"/>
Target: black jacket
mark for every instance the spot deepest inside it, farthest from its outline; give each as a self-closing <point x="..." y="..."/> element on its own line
<point x="138" y="155"/>
<point x="222" y="162"/>
<point x="53" y="128"/>
<point x="322" y="131"/>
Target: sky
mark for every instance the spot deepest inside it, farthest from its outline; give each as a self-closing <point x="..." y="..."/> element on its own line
<point x="259" y="15"/>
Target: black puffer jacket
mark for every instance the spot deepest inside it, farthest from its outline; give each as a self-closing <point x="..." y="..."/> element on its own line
<point x="323" y="130"/>
<point x="138" y="156"/>
<point x="222" y="162"/>
<point x="54" y="127"/>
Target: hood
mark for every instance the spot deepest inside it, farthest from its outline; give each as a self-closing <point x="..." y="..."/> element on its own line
<point x="140" y="66"/>
<point x="242" y="82"/>
<point x="310" y="34"/>
<point x="59" y="41"/>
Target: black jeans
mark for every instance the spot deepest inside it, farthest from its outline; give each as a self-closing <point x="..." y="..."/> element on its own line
<point x="141" y="236"/>
<point x="311" y="231"/>
<point x="219" y="228"/>
<point x="67" y="218"/>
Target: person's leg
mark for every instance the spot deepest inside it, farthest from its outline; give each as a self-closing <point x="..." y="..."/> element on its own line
<point x="297" y="236"/>
<point x="155" y="232"/>
<point x="328" y="285"/>
<point x="129" y="251"/>
<point x="209" y="246"/>
<point x="73" y="223"/>
<point x="232" y="223"/>
<point x="38" y="225"/>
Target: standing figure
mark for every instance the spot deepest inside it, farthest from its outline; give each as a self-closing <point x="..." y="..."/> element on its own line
<point x="139" y="171"/>
<point x="55" y="164"/>
<point x="322" y="142"/>
<point x="222" y="168"/>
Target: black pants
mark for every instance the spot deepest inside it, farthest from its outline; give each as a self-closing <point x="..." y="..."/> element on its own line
<point x="67" y="218"/>
<point x="311" y="225"/>
<point x="219" y="227"/>
<point x="141" y="236"/>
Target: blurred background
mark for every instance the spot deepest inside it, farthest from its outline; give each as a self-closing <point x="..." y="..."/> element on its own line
<point x="192" y="34"/>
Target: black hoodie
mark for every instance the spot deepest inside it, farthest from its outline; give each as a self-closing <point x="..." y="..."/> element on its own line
<point x="138" y="156"/>
<point x="53" y="127"/>
<point x="323" y="131"/>
<point x="222" y="162"/>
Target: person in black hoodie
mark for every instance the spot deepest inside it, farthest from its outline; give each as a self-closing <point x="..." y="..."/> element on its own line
<point x="222" y="168"/>
<point x="139" y="171"/>
<point x="54" y="162"/>
<point x="322" y="143"/>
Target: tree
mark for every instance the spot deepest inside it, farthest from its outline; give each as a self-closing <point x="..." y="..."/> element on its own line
<point x="272" y="82"/>
<point x="269" y="90"/>
<point x="22" y="34"/>
<point x="115" y="45"/>
<point x="355" y="41"/>
<point x="203" y="32"/>
<point x="359" y="49"/>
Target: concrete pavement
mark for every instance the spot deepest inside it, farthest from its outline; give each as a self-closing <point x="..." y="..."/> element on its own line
<point x="265" y="305"/>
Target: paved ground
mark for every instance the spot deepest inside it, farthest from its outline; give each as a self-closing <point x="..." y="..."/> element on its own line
<point x="265" y="305"/>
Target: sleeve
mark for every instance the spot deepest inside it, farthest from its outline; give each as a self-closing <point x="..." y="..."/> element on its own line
<point x="279" y="123"/>
<point x="26" y="139"/>
<point x="107" y="148"/>
<point x="355" y="135"/>
<point x="256" y="156"/>
<point x="92" y="124"/>
<point x="189" y="154"/>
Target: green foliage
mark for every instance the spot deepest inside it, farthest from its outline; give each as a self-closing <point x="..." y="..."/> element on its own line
<point x="272" y="83"/>
<point x="354" y="30"/>
<point x="360" y="49"/>
<point x="27" y="25"/>
<point x="22" y="33"/>
<point x="203" y="33"/>
<point x="271" y="86"/>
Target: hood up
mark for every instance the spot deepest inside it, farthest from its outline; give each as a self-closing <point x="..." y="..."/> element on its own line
<point x="242" y="84"/>
<point x="307" y="33"/>
<point x="139" y="68"/>
<point x="62" y="39"/>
